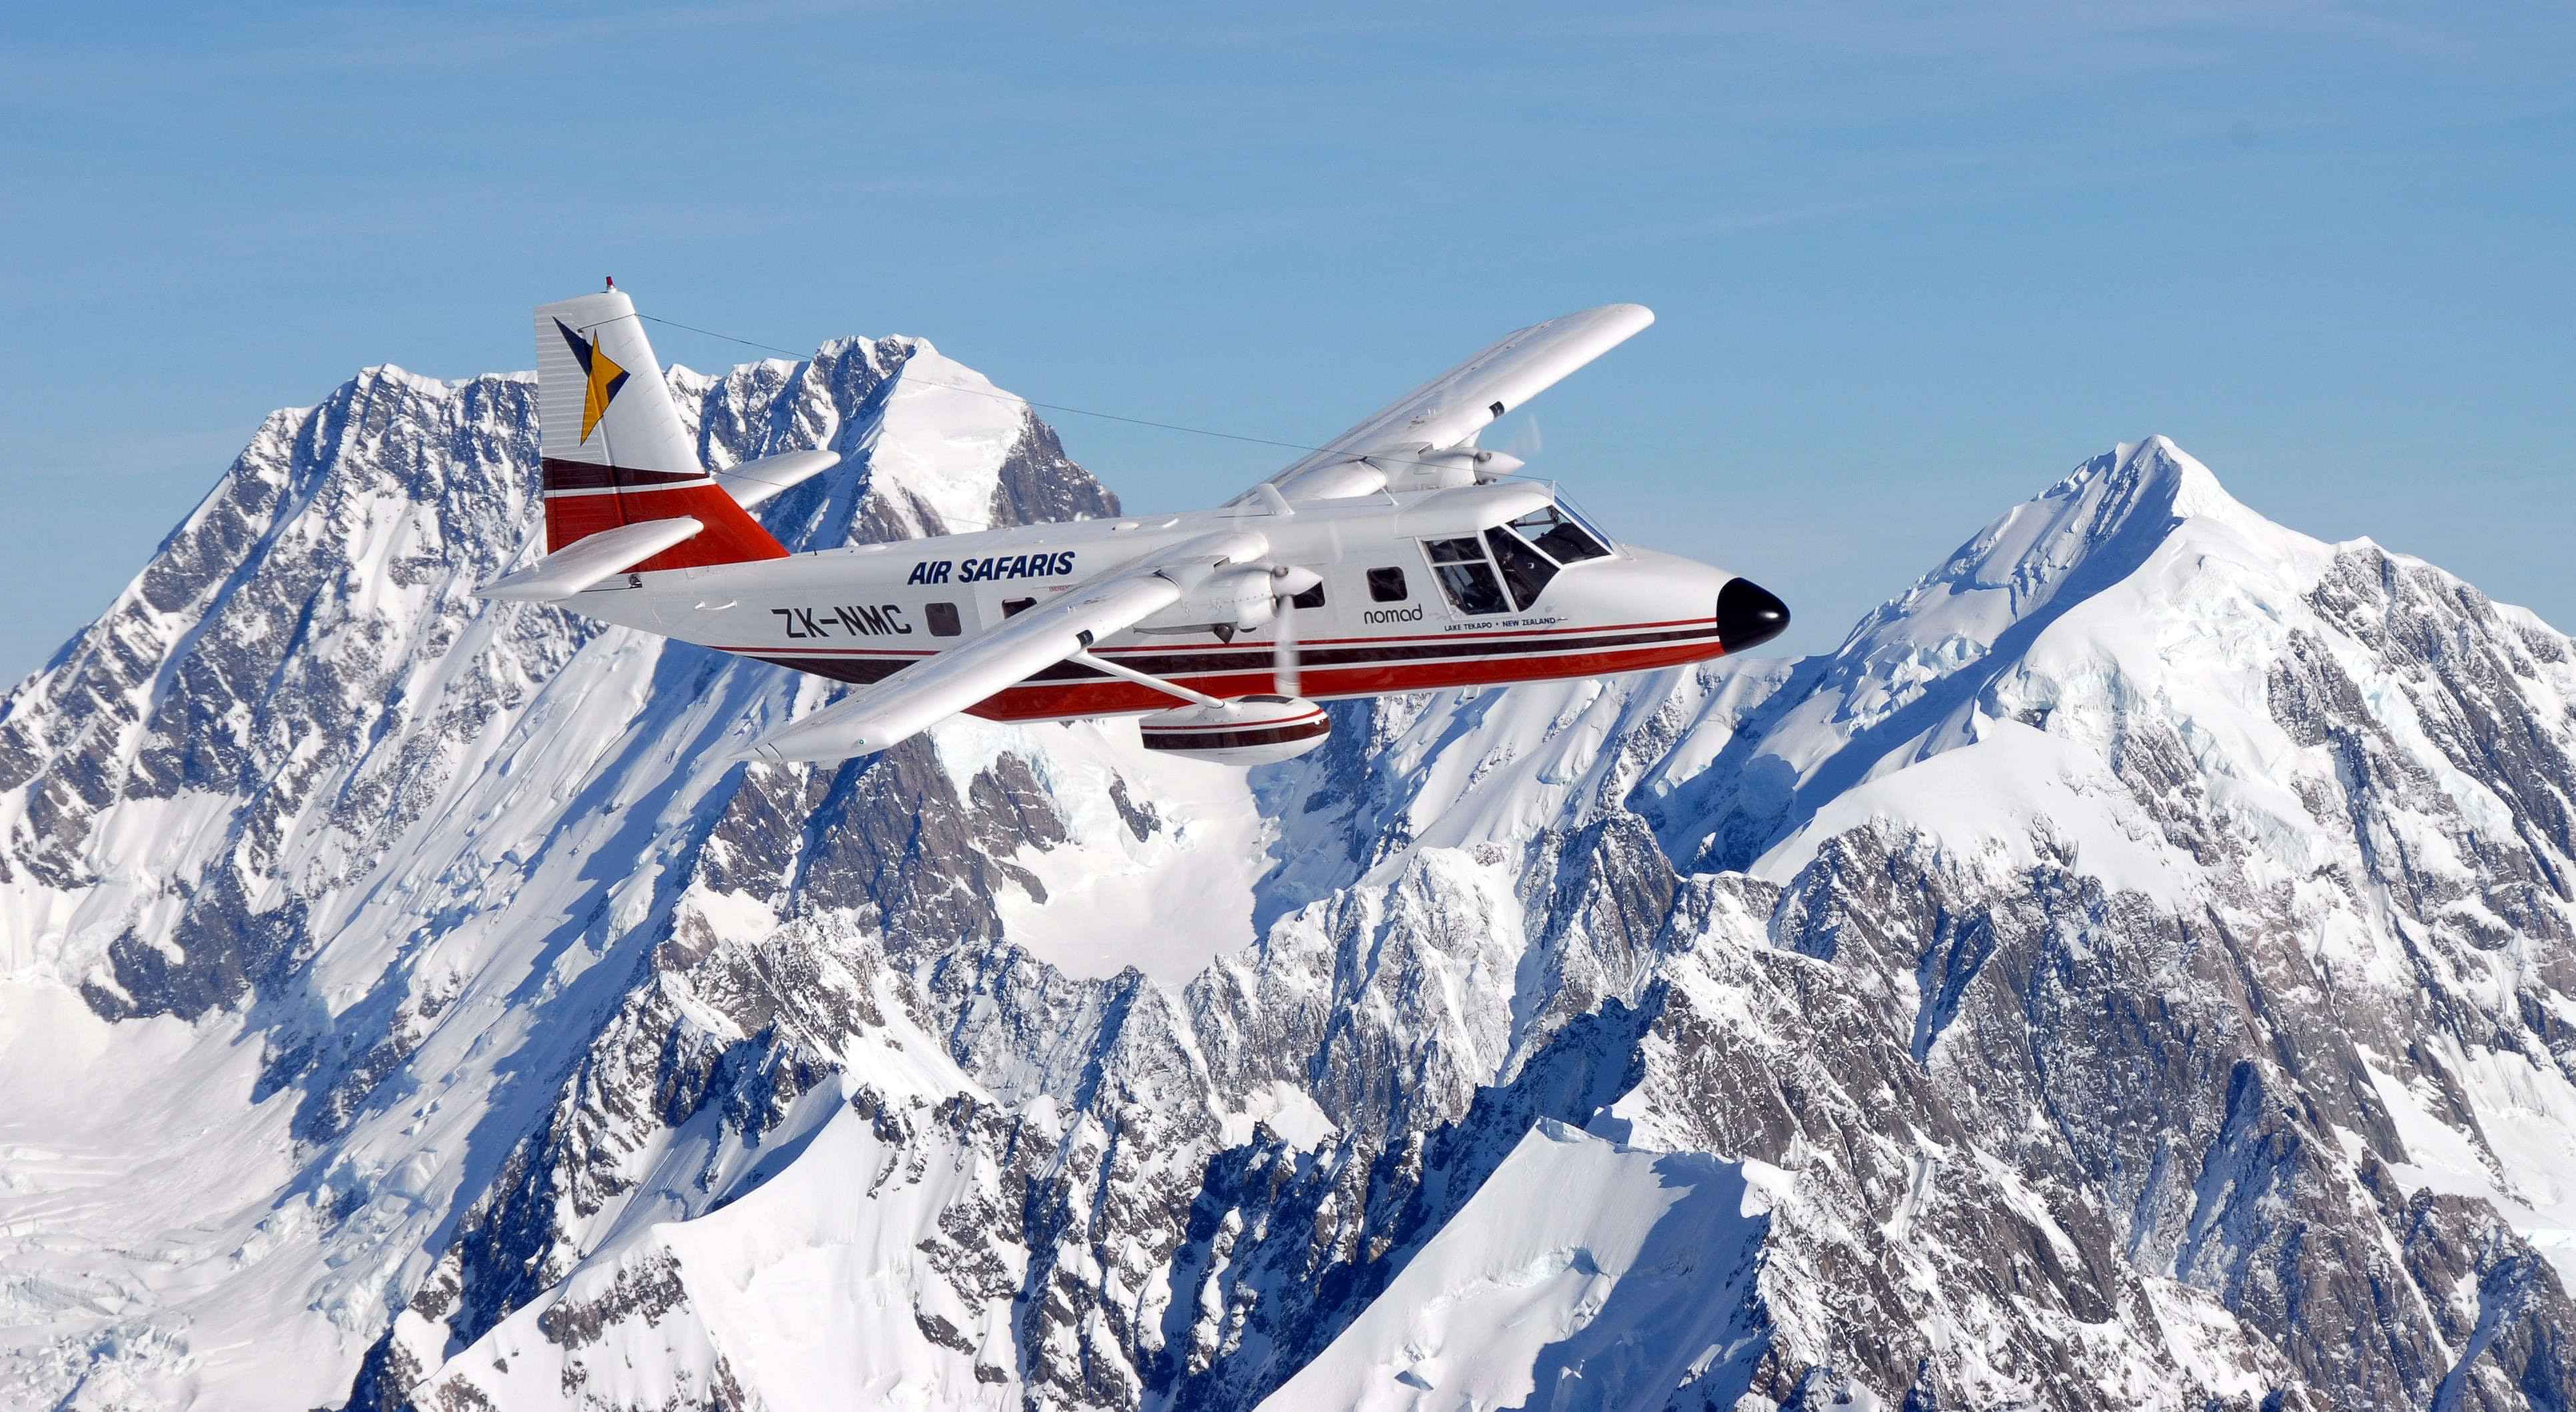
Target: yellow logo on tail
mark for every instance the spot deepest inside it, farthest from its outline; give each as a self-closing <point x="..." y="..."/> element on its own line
<point x="604" y="374"/>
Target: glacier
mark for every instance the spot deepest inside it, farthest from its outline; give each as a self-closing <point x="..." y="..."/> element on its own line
<point x="2134" y="968"/>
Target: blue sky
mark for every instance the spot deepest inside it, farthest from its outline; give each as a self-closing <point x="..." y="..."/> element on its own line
<point x="1911" y="262"/>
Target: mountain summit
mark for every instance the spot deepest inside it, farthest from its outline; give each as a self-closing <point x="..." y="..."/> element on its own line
<point x="2135" y="968"/>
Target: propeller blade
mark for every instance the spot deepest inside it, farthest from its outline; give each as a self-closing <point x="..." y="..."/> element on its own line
<point x="1526" y="442"/>
<point x="1283" y="662"/>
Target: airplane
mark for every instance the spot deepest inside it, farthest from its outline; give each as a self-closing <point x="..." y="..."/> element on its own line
<point x="1400" y="556"/>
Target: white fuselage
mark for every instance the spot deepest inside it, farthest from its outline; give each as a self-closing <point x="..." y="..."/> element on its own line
<point x="861" y="613"/>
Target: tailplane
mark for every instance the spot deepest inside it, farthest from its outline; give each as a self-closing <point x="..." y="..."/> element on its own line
<point x="613" y="449"/>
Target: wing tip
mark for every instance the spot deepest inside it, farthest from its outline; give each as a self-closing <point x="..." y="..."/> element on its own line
<point x="1622" y="321"/>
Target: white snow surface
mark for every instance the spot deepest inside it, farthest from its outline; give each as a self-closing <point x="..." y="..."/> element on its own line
<point x="804" y="1294"/>
<point x="941" y="418"/>
<point x="142" y="1202"/>
<point x="1999" y="798"/>
<point x="1582" y="1273"/>
<point x="2522" y="1158"/>
<point x="1166" y="904"/>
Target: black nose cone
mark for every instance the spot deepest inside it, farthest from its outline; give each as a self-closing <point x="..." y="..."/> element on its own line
<point x="1748" y="615"/>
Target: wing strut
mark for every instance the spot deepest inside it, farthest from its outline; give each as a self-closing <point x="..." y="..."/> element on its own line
<point x="1103" y="664"/>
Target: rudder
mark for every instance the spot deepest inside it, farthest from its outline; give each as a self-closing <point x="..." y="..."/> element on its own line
<point x="611" y="444"/>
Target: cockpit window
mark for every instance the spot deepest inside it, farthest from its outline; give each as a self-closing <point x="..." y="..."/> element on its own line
<point x="1464" y="575"/>
<point x="1525" y="570"/>
<point x="1472" y="588"/>
<point x="1565" y="537"/>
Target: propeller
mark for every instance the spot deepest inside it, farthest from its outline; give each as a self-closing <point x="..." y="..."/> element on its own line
<point x="1526" y="442"/>
<point x="1283" y="653"/>
<point x="1288" y="580"/>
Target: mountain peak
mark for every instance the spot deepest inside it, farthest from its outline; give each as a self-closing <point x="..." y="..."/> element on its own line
<point x="2165" y="473"/>
<point x="395" y="375"/>
<point x="1911" y="678"/>
<point x="2096" y="524"/>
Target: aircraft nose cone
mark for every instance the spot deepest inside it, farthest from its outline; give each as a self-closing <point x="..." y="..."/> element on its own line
<point x="1748" y="615"/>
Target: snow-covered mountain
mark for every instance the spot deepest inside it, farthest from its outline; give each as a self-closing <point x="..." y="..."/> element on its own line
<point x="2135" y="969"/>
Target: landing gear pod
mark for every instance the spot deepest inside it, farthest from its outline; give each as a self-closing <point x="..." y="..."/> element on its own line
<point x="1249" y="730"/>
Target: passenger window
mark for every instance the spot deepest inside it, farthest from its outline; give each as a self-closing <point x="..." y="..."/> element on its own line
<point x="1311" y="598"/>
<point x="943" y="619"/>
<point x="1387" y="586"/>
<point x="1013" y="607"/>
<point x="1524" y="569"/>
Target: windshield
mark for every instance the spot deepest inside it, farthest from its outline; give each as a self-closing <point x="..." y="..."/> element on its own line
<point x="1528" y="552"/>
<point x="1562" y="534"/>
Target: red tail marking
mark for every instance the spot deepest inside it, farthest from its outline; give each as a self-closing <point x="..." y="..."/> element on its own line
<point x="731" y="535"/>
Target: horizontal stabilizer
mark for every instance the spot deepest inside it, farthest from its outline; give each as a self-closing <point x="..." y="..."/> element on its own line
<point x="755" y="483"/>
<point x="589" y="559"/>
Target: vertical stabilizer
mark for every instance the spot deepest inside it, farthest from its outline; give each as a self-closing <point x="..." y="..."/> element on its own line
<point x="613" y="448"/>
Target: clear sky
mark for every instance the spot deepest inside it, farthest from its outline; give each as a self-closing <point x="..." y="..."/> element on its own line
<point x="1911" y="262"/>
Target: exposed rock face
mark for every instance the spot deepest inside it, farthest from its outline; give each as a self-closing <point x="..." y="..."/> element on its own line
<point x="2136" y="969"/>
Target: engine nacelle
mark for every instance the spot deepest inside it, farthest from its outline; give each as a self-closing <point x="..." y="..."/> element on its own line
<point x="1231" y="601"/>
<point x="1458" y="465"/>
<point x="1249" y="730"/>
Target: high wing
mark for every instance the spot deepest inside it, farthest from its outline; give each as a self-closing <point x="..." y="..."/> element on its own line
<point x="1448" y="411"/>
<point x="935" y="688"/>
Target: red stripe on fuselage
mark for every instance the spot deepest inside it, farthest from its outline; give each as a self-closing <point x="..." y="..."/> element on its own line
<point x="1402" y="667"/>
<point x="1533" y="638"/>
<point x="1149" y="649"/>
<point x="1048" y="701"/>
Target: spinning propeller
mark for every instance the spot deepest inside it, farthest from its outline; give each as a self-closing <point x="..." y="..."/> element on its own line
<point x="1285" y="678"/>
<point x="1287" y="581"/>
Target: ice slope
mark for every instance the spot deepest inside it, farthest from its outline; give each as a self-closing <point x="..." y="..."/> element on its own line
<point x="2110" y="580"/>
<point x="809" y="1290"/>
<point x="1637" y="1286"/>
<point x="939" y="416"/>
<point x="137" y="1207"/>
<point x="1916" y="675"/>
<point x="2103" y="1018"/>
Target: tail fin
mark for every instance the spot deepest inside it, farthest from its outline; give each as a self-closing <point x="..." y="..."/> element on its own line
<point x="612" y="446"/>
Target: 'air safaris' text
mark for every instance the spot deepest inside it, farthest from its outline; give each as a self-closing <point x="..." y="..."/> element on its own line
<point x="1002" y="566"/>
